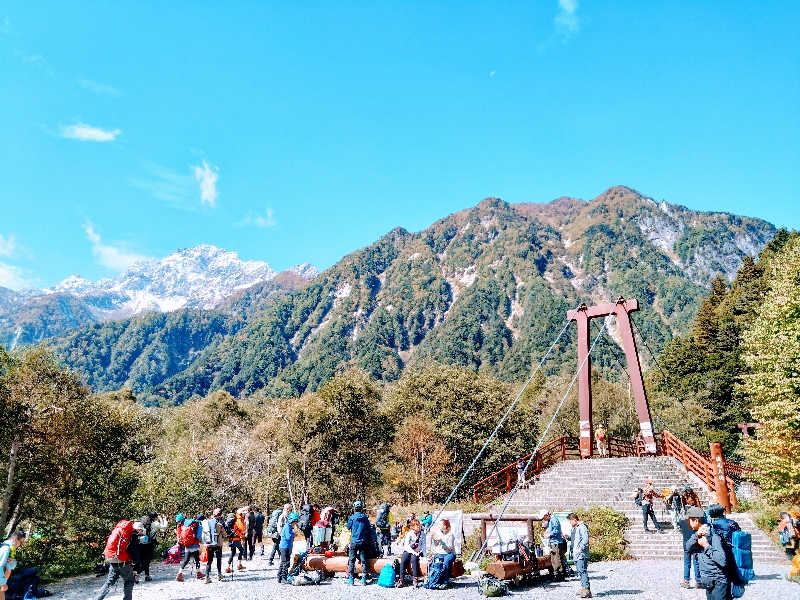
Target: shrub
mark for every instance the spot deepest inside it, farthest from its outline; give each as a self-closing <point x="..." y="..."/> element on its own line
<point x="606" y="533"/>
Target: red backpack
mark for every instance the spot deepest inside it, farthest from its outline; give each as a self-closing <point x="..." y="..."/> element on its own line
<point x="189" y="535"/>
<point x="117" y="542"/>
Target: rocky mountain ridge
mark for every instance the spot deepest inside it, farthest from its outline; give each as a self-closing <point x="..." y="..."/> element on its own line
<point x="202" y="277"/>
<point x="486" y="287"/>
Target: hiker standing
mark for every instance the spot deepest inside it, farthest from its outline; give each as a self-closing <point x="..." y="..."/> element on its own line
<point x="580" y="552"/>
<point x="383" y="523"/>
<point x="287" y="541"/>
<point x="790" y="537"/>
<point x="258" y="529"/>
<point x="212" y="535"/>
<point x="359" y="527"/>
<point x="675" y="504"/>
<point x="191" y="543"/>
<point x="689" y="557"/>
<point x="555" y="540"/>
<point x="235" y="529"/>
<point x="275" y="527"/>
<point x="153" y="525"/>
<point x="250" y="532"/>
<point x="179" y="519"/>
<point x="412" y="550"/>
<point x="426" y="521"/>
<point x="648" y="494"/>
<point x="708" y="545"/>
<point x="602" y="442"/>
<point x="520" y="472"/>
<point x="120" y="562"/>
<point x="8" y="561"/>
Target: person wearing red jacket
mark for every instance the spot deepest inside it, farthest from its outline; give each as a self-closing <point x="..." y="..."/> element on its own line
<point x="120" y="553"/>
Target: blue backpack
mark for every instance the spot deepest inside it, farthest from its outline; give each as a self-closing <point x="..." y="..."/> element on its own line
<point x="436" y="574"/>
<point x="386" y="578"/>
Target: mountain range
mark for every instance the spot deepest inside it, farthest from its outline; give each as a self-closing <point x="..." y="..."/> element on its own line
<point x="201" y="277"/>
<point x="486" y="287"/>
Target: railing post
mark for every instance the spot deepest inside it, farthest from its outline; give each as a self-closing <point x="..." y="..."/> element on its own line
<point x="508" y="479"/>
<point x="563" y="449"/>
<point x="720" y="480"/>
<point x="538" y="463"/>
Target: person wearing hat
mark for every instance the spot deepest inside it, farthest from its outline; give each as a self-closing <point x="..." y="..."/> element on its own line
<point x="179" y="519"/>
<point x="648" y="494"/>
<point x="212" y="534"/>
<point x="359" y="526"/>
<point x="690" y="557"/>
<point x="287" y="541"/>
<point x="708" y="545"/>
<point x="558" y="549"/>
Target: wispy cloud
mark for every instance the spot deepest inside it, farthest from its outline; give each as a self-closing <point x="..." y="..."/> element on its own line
<point x="207" y="176"/>
<point x="89" y="133"/>
<point x="567" y="20"/>
<point x="7" y="245"/>
<point x="267" y="219"/>
<point x="492" y="74"/>
<point x="99" y="88"/>
<point x="117" y="258"/>
<point x="13" y="277"/>
<point x="5" y="26"/>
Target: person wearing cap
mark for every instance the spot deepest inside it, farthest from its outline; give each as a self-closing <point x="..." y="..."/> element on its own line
<point x="708" y="545"/>
<point x="212" y="534"/>
<point x="287" y="541"/>
<point x="359" y="527"/>
<point x="179" y="519"/>
<point x="558" y="549"/>
<point x="580" y="552"/>
<point x="688" y="556"/>
<point x="648" y="493"/>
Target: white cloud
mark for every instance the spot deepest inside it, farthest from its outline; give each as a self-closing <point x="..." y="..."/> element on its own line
<point x="567" y="20"/>
<point x="88" y="133"/>
<point x="113" y="257"/>
<point x="99" y="88"/>
<point x="207" y="177"/>
<point x="259" y="220"/>
<point x="13" y="277"/>
<point x="492" y="73"/>
<point x="7" y="245"/>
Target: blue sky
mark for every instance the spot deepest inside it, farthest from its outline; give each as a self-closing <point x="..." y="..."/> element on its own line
<point x="293" y="132"/>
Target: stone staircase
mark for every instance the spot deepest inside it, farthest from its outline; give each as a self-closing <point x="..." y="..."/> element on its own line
<point x="575" y="484"/>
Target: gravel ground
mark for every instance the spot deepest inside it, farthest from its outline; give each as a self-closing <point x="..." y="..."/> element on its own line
<point x="640" y="580"/>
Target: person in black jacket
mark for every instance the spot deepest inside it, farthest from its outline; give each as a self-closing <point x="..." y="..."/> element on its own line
<point x="258" y="530"/>
<point x="708" y="546"/>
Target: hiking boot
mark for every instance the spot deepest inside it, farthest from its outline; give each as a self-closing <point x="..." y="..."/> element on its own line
<point x="661" y="531"/>
<point x="349" y="581"/>
<point x="208" y="579"/>
<point x="585" y="593"/>
<point x="148" y="578"/>
<point x="270" y="563"/>
<point x="699" y="586"/>
<point x="228" y="569"/>
<point x="685" y="584"/>
<point x="179" y="577"/>
<point x="201" y="575"/>
<point x="220" y="578"/>
<point x="241" y="567"/>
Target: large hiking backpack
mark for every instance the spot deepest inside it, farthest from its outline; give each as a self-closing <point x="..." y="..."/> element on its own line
<point x="272" y="526"/>
<point x="189" y="533"/>
<point x="209" y="532"/>
<point x="492" y="587"/>
<point x="118" y="541"/>
<point x="382" y="518"/>
<point x="372" y="549"/>
<point x="436" y="574"/>
<point x="738" y="553"/>
<point x="304" y="523"/>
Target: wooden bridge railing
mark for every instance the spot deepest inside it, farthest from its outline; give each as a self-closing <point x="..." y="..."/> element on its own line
<point x="568" y="448"/>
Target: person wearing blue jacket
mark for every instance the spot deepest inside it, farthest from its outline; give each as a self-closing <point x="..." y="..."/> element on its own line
<point x="359" y="527"/>
<point x="707" y="543"/>
<point x="7" y="559"/>
<point x="285" y="546"/>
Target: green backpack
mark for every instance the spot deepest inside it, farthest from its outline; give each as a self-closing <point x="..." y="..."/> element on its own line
<point x="492" y="587"/>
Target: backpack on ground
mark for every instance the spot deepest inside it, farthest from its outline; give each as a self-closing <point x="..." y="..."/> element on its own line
<point x="436" y="574"/>
<point x="173" y="555"/>
<point x="386" y="577"/>
<point x="209" y="532"/>
<point x="304" y="523"/>
<point x="382" y="518"/>
<point x="189" y="533"/>
<point x="272" y="526"/>
<point x="117" y="542"/>
<point x="492" y="587"/>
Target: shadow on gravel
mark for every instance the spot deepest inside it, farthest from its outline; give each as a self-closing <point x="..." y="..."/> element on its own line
<point x="619" y="593"/>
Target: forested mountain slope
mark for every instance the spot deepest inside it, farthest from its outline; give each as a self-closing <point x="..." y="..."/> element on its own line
<point x="486" y="287"/>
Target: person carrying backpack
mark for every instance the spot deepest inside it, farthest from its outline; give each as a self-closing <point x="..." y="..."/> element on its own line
<point x="359" y="527"/>
<point x="250" y="532"/>
<point x="153" y="525"/>
<point x="383" y="523"/>
<point x="304" y="522"/>
<point x="707" y="543"/>
<point x="789" y="536"/>
<point x="285" y="546"/>
<point x="191" y="543"/>
<point x="648" y="495"/>
<point x="690" y="557"/>
<point x="120" y="562"/>
<point x="8" y="561"/>
<point x="276" y="522"/>
<point x="235" y="528"/>
<point x="258" y="529"/>
<point x="212" y="535"/>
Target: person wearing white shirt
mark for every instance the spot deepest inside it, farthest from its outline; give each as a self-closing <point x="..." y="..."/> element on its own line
<point x="412" y="550"/>
<point x="443" y="543"/>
